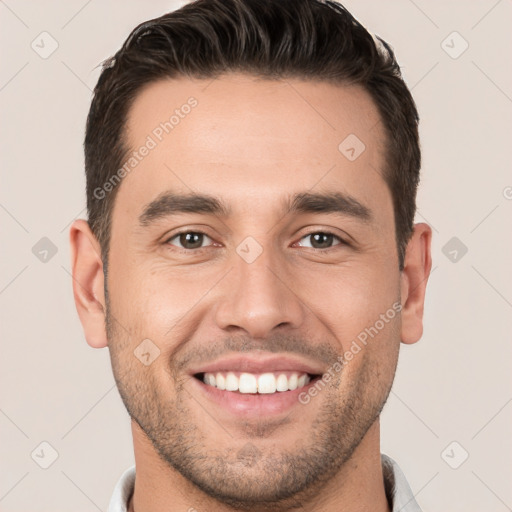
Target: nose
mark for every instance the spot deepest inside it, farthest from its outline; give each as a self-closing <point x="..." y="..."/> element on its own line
<point x="257" y="297"/>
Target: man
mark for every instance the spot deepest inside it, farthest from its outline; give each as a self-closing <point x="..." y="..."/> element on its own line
<point x="250" y="257"/>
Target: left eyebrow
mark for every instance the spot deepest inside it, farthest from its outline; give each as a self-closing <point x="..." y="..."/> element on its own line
<point x="335" y="202"/>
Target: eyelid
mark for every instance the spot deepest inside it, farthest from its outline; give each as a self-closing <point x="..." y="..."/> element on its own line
<point x="185" y="229"/>
<point x="342" y="240"/>
<point x="168" y="238"/>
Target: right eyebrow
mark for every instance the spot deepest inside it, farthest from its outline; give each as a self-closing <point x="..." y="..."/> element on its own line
<point x="169" y="203"/>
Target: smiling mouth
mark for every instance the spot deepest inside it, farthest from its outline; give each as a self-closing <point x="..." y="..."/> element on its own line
<point x="257" y="384"/>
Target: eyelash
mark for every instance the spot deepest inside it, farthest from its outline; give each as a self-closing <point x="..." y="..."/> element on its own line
<point x="342" y="242"/>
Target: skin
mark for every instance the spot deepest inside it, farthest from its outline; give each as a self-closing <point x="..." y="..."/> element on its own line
<point x="253" y="143"/>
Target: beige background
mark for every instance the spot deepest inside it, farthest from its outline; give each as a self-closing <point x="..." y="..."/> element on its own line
<point x="454" y="385"/>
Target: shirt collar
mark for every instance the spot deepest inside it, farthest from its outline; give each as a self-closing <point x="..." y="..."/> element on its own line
<point x="398" y="491"/>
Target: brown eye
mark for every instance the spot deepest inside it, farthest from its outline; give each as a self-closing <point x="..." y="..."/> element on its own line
<point x="321" y="240"/>
<point x="189" y="240"/>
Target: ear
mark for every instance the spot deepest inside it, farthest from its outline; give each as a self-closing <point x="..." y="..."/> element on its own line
<point x="88" y="282"/>
<point x="414" y="277"/>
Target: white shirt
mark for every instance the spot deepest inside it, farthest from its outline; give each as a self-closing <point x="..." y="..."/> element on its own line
<point x="397" y="489"/>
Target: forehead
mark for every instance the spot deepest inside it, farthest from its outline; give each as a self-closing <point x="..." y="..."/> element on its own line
<point x="249" y="140"/>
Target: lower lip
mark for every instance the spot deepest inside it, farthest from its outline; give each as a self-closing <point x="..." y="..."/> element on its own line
<point x="252" y="404"/>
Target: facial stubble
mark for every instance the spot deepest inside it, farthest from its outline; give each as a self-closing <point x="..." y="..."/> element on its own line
<point x="247" y="474"/>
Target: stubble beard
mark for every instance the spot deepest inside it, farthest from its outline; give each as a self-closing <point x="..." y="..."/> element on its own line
<point x="245" y="475"/>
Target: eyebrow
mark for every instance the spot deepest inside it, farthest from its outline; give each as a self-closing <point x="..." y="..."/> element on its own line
<point x="334" y="202"/>
<point x="169" y="203"/>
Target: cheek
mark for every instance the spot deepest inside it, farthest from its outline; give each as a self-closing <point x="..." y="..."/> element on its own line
<point x="157" y="301"/>
<point x="351" y="300"/>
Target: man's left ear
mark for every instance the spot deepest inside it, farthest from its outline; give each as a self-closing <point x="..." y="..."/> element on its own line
<point x="414" y="277"/>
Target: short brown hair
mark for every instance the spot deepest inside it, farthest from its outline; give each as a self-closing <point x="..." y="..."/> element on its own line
<point x="307" y="39"/>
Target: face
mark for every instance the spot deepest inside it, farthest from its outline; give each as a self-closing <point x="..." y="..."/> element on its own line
<point x="264" y="287"/>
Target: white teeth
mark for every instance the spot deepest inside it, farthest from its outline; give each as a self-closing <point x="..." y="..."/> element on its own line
<point x="221" y="381"/>
<point x="266" y="383"/>
<point x="231" y="382"/>
<point x="282" y="383"/>
<point x="247" y="383"/>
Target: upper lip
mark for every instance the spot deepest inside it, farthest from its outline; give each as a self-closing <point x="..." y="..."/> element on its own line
<point x="260" y="364"/>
